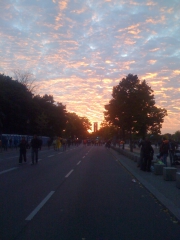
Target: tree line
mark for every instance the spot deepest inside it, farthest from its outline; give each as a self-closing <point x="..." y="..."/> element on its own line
<point x="23" y="112"/>
<point x="130" y="113"/>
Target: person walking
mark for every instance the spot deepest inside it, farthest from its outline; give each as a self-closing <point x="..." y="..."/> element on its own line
<point x="148" y="152"/>
<point x="5" y="144"/>
<point x="22" y="150"/>
<point x="34" y="149"/>
<point x="16" y="143"/>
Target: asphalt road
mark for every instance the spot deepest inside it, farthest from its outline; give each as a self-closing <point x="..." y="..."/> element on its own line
<point x="83" y="193"/>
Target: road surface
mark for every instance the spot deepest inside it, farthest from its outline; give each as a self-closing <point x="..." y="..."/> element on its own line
<point x="82" y="193"/>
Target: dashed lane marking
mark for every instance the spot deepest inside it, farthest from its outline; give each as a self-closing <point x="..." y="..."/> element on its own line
<point x="8" y="170"/>
<point x="51" y="156"/>
<point x="78" y="163"/>
<point x="34" y="212"/>
<point x="69" y="173"/>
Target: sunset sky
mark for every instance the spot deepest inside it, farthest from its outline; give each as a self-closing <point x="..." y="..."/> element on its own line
<point x="78" y="50"/>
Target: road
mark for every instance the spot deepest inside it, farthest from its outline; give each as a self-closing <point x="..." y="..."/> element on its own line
<point x="83" y="193"/>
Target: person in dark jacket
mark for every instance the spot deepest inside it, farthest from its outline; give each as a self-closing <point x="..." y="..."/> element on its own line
<point x="22" y="148"/>
<point x="164" y="149"/>
<point x="148" y="152"/>
<point x="34" y="149"/>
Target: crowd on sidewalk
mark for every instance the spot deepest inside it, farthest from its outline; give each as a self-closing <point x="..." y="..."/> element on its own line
<point x="166" y="148"/>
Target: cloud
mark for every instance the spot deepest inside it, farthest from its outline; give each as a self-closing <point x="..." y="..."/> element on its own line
<point x="79" y="50"/>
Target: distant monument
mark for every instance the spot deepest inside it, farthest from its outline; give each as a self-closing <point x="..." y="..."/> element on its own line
<point x="95" y="126"/>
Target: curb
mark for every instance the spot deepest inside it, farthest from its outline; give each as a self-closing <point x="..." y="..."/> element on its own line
<point x="164" y="200"/>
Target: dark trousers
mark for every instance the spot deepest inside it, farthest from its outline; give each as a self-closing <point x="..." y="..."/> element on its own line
<point x="146" y="164"/>
<point x="171" y="156"/>
<point x="22" y="156"/>
<point x="34" y="154"/>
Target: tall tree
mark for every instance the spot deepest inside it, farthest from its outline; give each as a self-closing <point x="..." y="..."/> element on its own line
<point x="50" y="114"/>
<point x="26" y="78"/>
<point x="77" y="126"/>
<point x="133" y="109"/>
<point x="15" y="105"/>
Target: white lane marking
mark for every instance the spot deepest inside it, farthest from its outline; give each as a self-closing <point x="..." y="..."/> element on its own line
<point x="34" y="212"/>
<point x="50" y="155"/>
<point x="83" y="157"/>
<point x="69" y="173"/>
<point x="8" y="170"/>
<point x="78" y="163"/>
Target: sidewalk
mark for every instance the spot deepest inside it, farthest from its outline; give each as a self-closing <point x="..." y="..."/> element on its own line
<point x="165" y="191"/>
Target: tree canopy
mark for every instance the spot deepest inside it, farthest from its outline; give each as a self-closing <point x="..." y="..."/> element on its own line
<point x="77" y="126"/>
<point x="132" y="107"/>
<point x="22" y="112"/>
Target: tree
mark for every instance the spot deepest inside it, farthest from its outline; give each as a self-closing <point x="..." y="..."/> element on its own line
<point x="26" y="78"/>
<point x="133" y="109"/>
<point x="177" y="136"/>
<point x="107" y="131"/>
<point x="15" y="105"/>
<point x="52" y="115"/>
<point x="77" y="126"/>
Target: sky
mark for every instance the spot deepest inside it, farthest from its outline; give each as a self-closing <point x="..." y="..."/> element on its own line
<point x="77" y="50"/>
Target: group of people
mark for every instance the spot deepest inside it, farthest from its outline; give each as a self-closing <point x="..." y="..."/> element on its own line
<point x="59" y="143"/>
<point x="35" y="146"/>
<point x="167" y="148"/>
<point x="8" y="143"/>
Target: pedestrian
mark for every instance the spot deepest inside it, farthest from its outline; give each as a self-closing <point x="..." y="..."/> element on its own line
<point x="140" y="161"/>
<point x="22" y="150"/>
<point x="40" y="143"/>
<point x="54" y="144"/>
<point x="64" y="144"/>
<point x="34" y="149"/>
<point x="172" y="149"/>
<point x="68" y="142"/>
<point x="5" y="144"/>
<point x="15" y="143"/>
<point x="164" y="149"/>
<point x="58" y="143"/>
<point x="148" y="152"/>
<point x="10" y="143"/>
